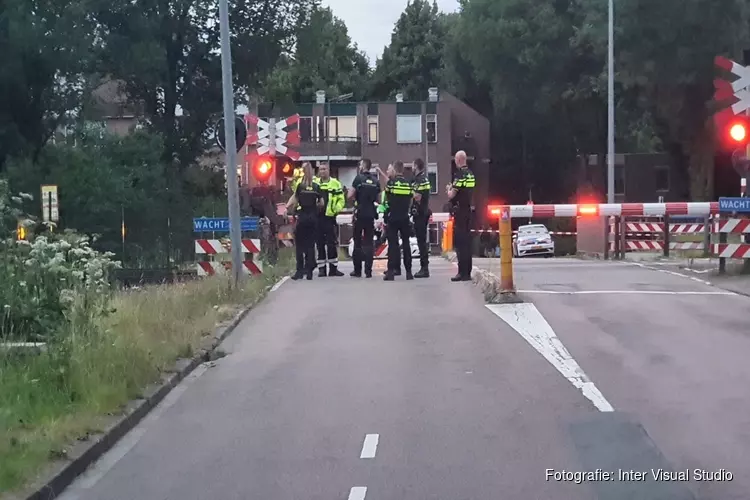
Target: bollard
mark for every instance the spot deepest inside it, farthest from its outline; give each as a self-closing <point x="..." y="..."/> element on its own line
<point x="448" y="236"/>
<point x="506" y="250"/>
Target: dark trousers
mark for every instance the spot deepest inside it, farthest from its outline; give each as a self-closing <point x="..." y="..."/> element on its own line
<point x="399" y="228"/>
<point x="327" y="251"/>
<point x="421" y="224"/>
<point x="304" y="242"/>
<point x="364" y="231"/>
<point x="462" y="244"/>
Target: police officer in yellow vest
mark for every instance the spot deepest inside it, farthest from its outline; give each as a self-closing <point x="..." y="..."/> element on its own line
<point x="333" y="195"/>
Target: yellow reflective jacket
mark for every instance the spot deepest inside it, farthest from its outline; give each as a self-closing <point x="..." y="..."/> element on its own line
<point x="333" y="192"/>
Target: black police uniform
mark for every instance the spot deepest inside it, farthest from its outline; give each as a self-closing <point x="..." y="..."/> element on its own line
<point x="305" y="232"/>
<point x="367" y="189"/>
<point x="421" y="215"/>
<point x="399" y="193"/>
<point x="461" y="209"/>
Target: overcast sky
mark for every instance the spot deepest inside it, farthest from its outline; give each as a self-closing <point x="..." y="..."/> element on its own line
<point x="370" y="22"/>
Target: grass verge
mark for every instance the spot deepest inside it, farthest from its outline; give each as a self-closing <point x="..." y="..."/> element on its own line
<point x="50" y="400"/>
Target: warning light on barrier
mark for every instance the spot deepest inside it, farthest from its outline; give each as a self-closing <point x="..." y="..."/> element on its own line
<point x="588" y="210"/>
<point x="494" y="210"/>
<point x="287" y="170"/>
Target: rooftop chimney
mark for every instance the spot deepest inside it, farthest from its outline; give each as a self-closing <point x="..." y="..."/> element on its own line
<point x="433" y="94"/>
<point x="320" y="96"/>
<point x="400" y="97"/>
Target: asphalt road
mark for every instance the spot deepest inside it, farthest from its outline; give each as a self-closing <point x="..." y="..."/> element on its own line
<point x="678" y="361"/>
<point x="351" y="389"/>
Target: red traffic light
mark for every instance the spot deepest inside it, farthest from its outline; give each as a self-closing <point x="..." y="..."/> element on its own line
<point x="287" y="169"/>
<point x="738" y="132"/>
<point x="263" y="169"/>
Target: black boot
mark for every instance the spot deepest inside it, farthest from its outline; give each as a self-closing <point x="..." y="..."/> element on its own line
<point x="333" y="270"/>
<point x="322" y="272"/>
<point x="309" y="275"/>
<point x="409" y="276"/>
<point x="423" y="273"/>
<point x="388" y="276"/>
<point x="355" y="274"/>
<point x="298" y="275"/>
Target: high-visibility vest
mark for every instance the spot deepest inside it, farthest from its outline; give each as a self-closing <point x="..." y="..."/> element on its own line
<point x="335" y="191"/>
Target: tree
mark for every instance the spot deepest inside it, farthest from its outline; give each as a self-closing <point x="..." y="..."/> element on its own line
<point x="324" y="59"/>
<point x="413" y="61"/>
<point x="665" y="53"/>
<point x="164" y="53"/>
<point x="47" y="49"/>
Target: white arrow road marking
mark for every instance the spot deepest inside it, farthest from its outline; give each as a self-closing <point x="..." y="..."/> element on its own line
<point x="370" y="446"/>
<point x="358" y="493"/>
<point x="530" y="324"/>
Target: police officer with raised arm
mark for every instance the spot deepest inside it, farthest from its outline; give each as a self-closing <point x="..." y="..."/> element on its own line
<point x="460" y="195"/>
<point x="421" y="216"/>
<point x="365" y="190"/>
<point x="399" y="194"/>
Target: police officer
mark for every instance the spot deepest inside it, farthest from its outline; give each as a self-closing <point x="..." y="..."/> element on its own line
<point x="308" y="200"/>
<point x="365" y="190"/>
<point x="333" y="196"/>
<point x="460" y="195"/>
<point x="389" y="174"/>
<point x="399" y="194"/>
<point x="421" y="216"/>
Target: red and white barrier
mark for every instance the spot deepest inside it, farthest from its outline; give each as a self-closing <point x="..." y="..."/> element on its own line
<point x="732" y="250"/>
<point x="212" y="268"/>
<point x="657" y="227"/>
<point x="223" y="247"/>
<point x="214" y="247"/>
<point x="696" y="209"/>
<point x="732" y="226"/>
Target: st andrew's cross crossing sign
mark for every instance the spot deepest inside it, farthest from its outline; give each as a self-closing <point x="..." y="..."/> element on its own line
<point x="271" y="138"/>
<point x="240" y="133"/>
<point x="735" y="92"/>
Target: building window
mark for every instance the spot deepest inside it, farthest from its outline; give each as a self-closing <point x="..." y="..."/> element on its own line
<point x="333" y="128"/>
<point x="432" y="174"/>
<point x="305" y="128"/>
<point x="619" y="179"/>
<point x="432" y="128"/>
<point x="372" y="129"/>
<point x="662" y="178"/>
<point x="408" y="129"/>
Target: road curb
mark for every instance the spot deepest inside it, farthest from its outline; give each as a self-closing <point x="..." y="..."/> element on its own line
<point x="62" y="478"/>
<point x="489" y="284"/>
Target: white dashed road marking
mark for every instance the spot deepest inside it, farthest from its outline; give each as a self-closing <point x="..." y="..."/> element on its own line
<point x="530" y="324"/>
<point x="370" y="446"/>
<point x="358" y="493"/>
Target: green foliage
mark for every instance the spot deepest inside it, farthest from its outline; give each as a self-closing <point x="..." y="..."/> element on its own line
<point x="47" y="53"/>
<point x="413" y="61"/>
<point x="324" y="59"/>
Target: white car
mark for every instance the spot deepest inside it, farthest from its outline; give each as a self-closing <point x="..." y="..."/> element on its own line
<point x="379" y="227"/>
<point x="533" y="239"/>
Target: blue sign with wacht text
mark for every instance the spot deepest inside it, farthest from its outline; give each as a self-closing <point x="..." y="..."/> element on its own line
<point x="221" y="224"/>
<point x="734" y="205"/>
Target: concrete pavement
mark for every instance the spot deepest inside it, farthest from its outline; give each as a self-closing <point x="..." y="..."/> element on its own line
<point x="351" y="389"/>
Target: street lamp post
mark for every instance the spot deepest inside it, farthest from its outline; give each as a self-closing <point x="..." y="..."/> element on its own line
<point x="611" y="107"/>
<point x="233" y="195"/>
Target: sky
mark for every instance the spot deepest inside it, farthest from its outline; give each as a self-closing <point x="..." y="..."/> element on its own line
<point x="371" y="22"/>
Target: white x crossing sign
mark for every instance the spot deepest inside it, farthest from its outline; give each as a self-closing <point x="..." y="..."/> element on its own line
<point x="735" y="91"/>
<point x="271" y="138"/>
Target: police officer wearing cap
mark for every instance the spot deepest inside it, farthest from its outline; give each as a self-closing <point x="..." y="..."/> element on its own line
<point x="365" y="190"/>
<point x="399" y="193"/>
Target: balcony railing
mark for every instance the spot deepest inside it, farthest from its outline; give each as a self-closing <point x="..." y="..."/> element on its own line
<point x="351" y="147"/>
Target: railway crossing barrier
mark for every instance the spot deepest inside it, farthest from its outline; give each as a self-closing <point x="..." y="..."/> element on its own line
<point x="216" y="256"/>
